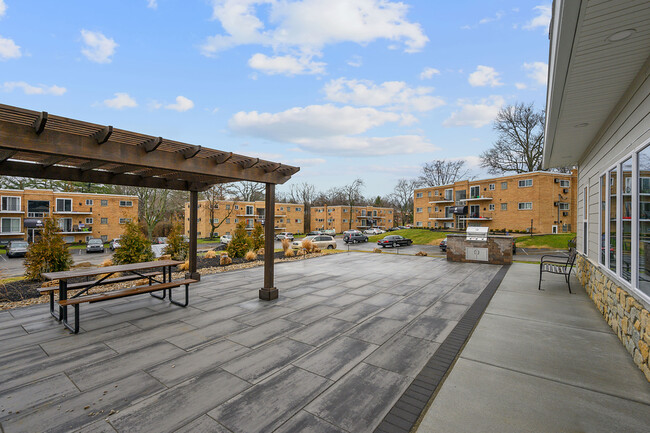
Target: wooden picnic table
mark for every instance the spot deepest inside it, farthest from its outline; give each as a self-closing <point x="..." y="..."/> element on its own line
<point x="133" y="271"/>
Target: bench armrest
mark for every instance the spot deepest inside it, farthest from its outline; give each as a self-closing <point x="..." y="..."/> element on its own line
<point x="555" y="258"/>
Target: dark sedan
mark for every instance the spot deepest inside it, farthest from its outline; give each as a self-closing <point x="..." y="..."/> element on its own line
<point x="394" y="241"/>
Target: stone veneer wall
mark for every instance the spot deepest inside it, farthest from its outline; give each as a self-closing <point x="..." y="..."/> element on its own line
<point x="624" y="314"/>
<point x="499" y="249"/>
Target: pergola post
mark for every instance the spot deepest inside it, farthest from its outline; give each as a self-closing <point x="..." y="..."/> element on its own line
<point x="194" y="204"/>
<point x="269" y="292"/>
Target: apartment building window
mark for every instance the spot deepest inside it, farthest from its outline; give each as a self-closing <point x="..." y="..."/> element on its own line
<point x="298" y="209"/>
<point x="214" y="220"/>
<point x="429" y="210"/>
<point x="565" y="183"/>
<point x="526" y="205"/>
<point x="419" y="224"/>
<point x="419" y="210"/>
<point x="418" y="195"/>
<point x="492" y="187"/>
<point x="298" y="221"/>
<point x="236" y="220"/>
<point x="89" y="220"/>
<point x="65" y="224"/>
<point x="249" y="210"/>
<point x="435" y="208"/>
<point x="564" y="206"/>
<point x="428" y="223"/>
<point x="449" y="194"/>
<point x="103" y="221"/>
<point x="104" y="203"/>
<point x="504" y="185"/>
<point x="227" y="220"/>
<point x="390" y="212"/>
<point x="436" y="193"/>
<point x="89" y="202"/>
<point x="504" y="206"/>
<point x="428" y="193"/>
<point x="227" y="207"/>
<point x="104" y="238"/>
<point x="474" y="191"/>
<point x="524" y="183"/>
<point x="288" y="209"/>
<point x="126" y="203"/>
<point x="125" y="220"/>
<point x="64" y="205"/>
<point x="11" y="204"/>
<point x="282" y="208"/>
<point x="491" y="207"/>
<point x="10" y="225"/>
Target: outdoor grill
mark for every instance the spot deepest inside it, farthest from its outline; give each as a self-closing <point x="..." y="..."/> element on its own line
<point x="477" y="234"/>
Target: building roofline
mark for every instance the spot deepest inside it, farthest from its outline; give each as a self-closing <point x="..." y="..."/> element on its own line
<point x="248" y="202"/>
<point x="361" y="207"/>
<point x="537" y="172"/>
<point x="67" y="193"/>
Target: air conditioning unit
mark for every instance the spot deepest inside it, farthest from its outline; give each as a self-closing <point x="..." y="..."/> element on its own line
<point x="565" y="213"/>
<point x="565" y="190"/>
<point x="556" y="204"/>
<point x="556" y="180"/>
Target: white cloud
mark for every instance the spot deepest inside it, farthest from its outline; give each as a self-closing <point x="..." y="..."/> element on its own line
<point x="520" y="86"/>
<point x="484" y="76"/>
<point x="9" y="49"/>
<point x="182" y="104"/>
<point x="98" y="47"/>
<point x="307" y="26"/>
<point x="328" y="129"/>
<point x="285" y="65"/>
<point x="394" y="95"/>
<point x="3" y="8"/>
<point x="475" y="115"/>
<point x="355" y="61"/>
<point x="538" y="71"/>
<point x="428" y="73"/>
<point x="120" y="101"/>
<point x="28" y="89"/>
<point x="307" y="162"/>
<point x="264" y="155"/>
<point x="543" y="18"/>
<point x="152" y="4"/>
<point x="497" y="16"/>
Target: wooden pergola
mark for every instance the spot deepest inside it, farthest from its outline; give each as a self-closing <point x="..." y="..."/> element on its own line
<point x="40" y="145"/>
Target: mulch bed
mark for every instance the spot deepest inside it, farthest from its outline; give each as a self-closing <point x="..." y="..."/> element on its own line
<point x="22" y="293"/>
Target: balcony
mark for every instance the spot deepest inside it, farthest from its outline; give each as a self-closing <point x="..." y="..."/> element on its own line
<point x="451" y="200"/>
<point x="441" y="218"/>
<point x="11" y="212"/>
<point x="479" y="199"/>
<point x="73" y="212"/>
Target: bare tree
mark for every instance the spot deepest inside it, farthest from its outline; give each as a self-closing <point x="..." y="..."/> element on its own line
<point x="351" y="193"/>
<point x="403" y="197"/>
<point x="443" y="172"/>
<point x="520" y="141"/>
<point x="214" y="195"/>
<point x="152" y="206"/>
<point x="304" y="193"/>
<point x="247" y="191"/>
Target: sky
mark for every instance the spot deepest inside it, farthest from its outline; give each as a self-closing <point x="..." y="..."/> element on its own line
<point x="344" y="89"/>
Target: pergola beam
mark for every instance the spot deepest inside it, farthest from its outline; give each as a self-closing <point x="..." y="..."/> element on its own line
<point x="103" y="135"/>
<point x="39" y="123"/>
<point x="91" y="165"/>
<point x="53" y="160"/>
<point x="222" y="157"/>
<point x="248" y="163"/>
<point x="191" y="152"/>
<point x="21" y="138"/>
<point x="6" y="154"/>
<point x="151" y="145"/>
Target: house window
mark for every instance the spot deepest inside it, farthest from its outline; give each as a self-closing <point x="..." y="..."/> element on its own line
<point x="474" y="191"/>
<point x="125" y="220"/>
<point x="504" y="206"/>
<point x="419" y="210"/>
<point x="104" y="203"/>
<point x="126" y="203"/>
<point x="611" y="226"/>
<point x="585" y="219"/>
<point x="565" y="183"/>
<point x="625" y="210"/>
<point x="524" y="183"/>
<point x="564" y="206"/>
<point x="10" y="225"/>
<point x="492" y="186"/>
<point x="11" y="204"/>
<point x="491" y="207"/>
<point x="526" y="205"/>
<point x="602" y="222"/>
<point x="89" y="220"/>
<point x="103" y="221"/>
<point x="64" y="205"/>
<point x="418" y="195"/>
<point x="504" y="185"/>
<point x="642" y="238"/>
<point x="89" y="202"/>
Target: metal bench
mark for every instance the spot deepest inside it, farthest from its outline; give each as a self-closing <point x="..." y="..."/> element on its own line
<point x="558" y="264"/>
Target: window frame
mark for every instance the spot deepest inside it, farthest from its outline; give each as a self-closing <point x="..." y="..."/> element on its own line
<point x="20" y="202"/>
<point x="88" y="220"/>
<point x="89" y="202"/>
<point x="56" y="205"/>
<point x="504" y="208"/>
<point x="10" y="219"/>
<point x="525" y="183"/>
<point x="525" y="203"/>
<point x="126" y="203"/>
<point x="125" y="220"/>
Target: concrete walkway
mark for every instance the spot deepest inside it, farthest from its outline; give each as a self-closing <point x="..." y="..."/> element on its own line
<point x="541" y="361"/>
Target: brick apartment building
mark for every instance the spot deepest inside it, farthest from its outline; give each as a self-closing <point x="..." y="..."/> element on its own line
<point x="508" y="202"/>
<point x="80" y="216"/>
<point x="339" y="218"/>
<point x="289" y="217"/>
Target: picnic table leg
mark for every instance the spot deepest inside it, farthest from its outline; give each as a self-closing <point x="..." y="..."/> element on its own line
<point x="187" y="297"/>
<point x="63" y="294"/>
<point x="164" y="281"/>
<point x="57" y="317"/>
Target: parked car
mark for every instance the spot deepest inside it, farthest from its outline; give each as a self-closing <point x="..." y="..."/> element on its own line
<point x="95" y="246"/>
<point x="354" y="238"/>
<point x="160" y="240"/>
<point x="114" y="244"/>
<point x="347" y="232"/>
<point x="402" y="227"/>
<point x="225" y="239"/>
<point x="443" y="245"/>
<point x="321" y="241"/>
<point x="314" y="233"/>
<point x="392" y="229"/>
<point x="17" y="249"/>
<point x="284" y="235"/>
<point x="329" y="232"/>
<point x="394" y="241"/>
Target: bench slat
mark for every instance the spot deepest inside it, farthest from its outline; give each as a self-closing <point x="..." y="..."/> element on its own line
<point x="84" y="284"/>
<point x="126" y="292"/>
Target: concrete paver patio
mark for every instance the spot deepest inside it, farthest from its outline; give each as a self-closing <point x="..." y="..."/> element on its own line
<point x="333" y="354"/>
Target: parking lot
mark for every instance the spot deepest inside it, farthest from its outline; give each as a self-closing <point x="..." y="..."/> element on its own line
<point x="13" y="267"/>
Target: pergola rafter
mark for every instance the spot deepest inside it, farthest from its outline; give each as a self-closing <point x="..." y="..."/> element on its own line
<point x="40" y="145"/>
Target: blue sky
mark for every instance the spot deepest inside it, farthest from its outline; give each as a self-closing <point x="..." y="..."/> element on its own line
<point x="341" y="88"/>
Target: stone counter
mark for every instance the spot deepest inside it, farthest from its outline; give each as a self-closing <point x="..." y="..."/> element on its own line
<point x="496" y="251"/>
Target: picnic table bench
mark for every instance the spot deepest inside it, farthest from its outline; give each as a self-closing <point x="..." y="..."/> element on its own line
<point x="135" y="271"/>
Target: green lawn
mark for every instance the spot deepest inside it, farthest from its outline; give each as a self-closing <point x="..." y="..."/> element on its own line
<point x="559" y="241"/>
<point x="419" y="237"/>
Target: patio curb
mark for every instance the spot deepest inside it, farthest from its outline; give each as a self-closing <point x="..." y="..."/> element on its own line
<point x="410" y="407"/>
